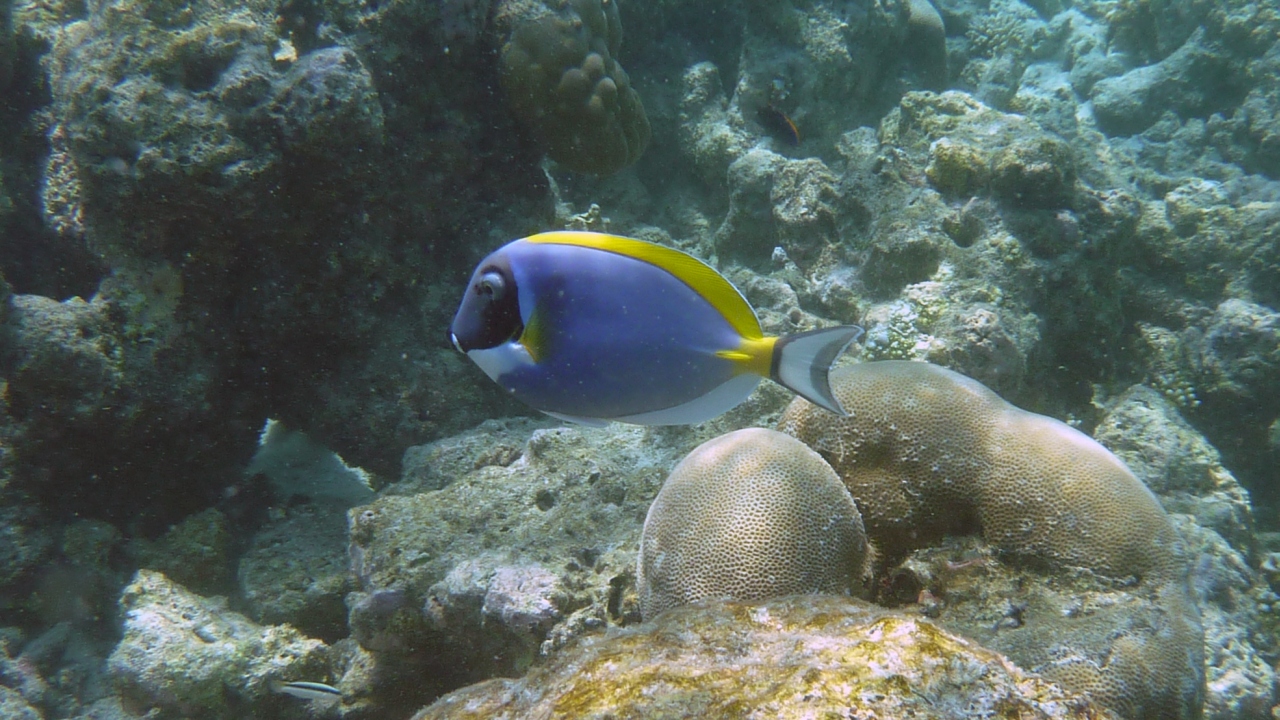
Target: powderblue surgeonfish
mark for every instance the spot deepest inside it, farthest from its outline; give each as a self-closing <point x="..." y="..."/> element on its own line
<point x="592" y="328"/>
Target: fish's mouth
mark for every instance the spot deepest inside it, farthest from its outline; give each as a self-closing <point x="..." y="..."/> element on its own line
<point x="456" y="344"/>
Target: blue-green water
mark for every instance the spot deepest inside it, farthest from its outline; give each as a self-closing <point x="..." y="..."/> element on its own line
<point x="233" y="236"/>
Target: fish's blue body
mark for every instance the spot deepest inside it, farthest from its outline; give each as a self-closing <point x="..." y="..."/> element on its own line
<point x="621" y="336"/>
<point x="593" y="327"/>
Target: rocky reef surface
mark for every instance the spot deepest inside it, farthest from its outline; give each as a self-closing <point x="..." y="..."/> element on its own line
<point x="788" y="658"/>
<point x="217" y="213"/>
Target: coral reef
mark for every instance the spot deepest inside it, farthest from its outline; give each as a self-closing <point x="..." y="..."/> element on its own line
<point x="796" y="657"/>
<point x="191" y="656"/>
<point x="25" y="540"/>
<point x="1030" y="236"/>
<point x="195" y="553"/>
<point x="1237" y="610"/>
<point x="775" y="201"/>
<point x="750" y="515"/>
<point x="928" y="453"/>
<point x="957" y="168"/>
<point x="218" y="161"/>
<point x="710" y="135"/>
<point x="530" y="543"/>
<point x="927" y="34"/>
<point x="1179" y="83"/>
<point x="943" y="492"/>
<point x="26" y="535"/>
<point x="1001" y="44"/>
<point x="1038" y="173"/>
<point x="824" y="64"/>
<point x="560" y="70"/>
<point x="1143" y="428"/>
<point x="13" y="706"/>
<point x="78" y="390"/>
<point x="6" y="45"/>
<point x="987" y="344"/>
<point x="296" y="571"/>
<point x="1221" y="365"/>
<point x="267" y="208"/>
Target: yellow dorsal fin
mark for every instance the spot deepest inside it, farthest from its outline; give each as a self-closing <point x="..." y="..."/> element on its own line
<point x="699" y="276"/>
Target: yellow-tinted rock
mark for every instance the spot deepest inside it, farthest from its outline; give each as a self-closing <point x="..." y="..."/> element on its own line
<point x="927" y="452"/>
<point x="749" y="515"/>
<point x="957" y="168"/>
<point x="561" y="76"/>
<point x="789" y="658"/>
<point x="1037" y="172"/>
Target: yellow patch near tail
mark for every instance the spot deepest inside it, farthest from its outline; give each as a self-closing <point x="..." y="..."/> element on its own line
<point x="753" y="356"/>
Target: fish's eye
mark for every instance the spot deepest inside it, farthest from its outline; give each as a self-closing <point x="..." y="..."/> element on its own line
<point x="492" y="285"/>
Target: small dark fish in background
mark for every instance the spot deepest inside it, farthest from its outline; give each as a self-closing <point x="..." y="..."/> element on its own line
<point x="778" y="125"/>
<point x="314" y="691"/>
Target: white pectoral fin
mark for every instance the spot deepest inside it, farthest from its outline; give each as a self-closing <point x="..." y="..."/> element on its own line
<point x="500" y="360"/>
<point x="720" y="400"/>
<point x="802" y="362"/>
<point x="588" y="421"/>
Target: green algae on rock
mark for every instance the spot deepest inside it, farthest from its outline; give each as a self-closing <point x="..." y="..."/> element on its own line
<point x="785" y="659"/>
<point x="959" y="169"/>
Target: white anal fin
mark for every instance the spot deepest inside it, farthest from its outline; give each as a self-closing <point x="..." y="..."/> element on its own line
<point x="700" y="409"/>
<point x="802" y="362"/>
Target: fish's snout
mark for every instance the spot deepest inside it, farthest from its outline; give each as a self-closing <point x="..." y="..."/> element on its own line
<point x="457" y="345"/>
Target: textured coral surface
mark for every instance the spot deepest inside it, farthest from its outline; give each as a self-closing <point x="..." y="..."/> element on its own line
<point x="750" y="515"/>
<point x="560" y="70"/>
<point x="927" y="452"/>
<point x="791" y="658"/>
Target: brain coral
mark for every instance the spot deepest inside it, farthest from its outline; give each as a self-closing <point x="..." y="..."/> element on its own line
<point x="559" y="72"/>
<point x="928" y="452"/>
<point x="749" y="515"/>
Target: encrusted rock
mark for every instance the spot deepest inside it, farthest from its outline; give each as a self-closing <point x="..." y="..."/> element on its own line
<point x="1183" y="82"/>
<point x="1144" y="428"/>
<point x="792" y="658"/>
<point x="957" y="168"/>
<point x="532" y="525"/>
<point x="297" y="571"/>
<point x="187" y="655"/>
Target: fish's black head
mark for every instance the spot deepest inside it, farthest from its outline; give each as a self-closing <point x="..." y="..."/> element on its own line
<point x="490" y="311"/>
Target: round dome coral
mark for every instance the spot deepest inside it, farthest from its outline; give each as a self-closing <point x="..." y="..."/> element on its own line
<point x="749" y="515"/>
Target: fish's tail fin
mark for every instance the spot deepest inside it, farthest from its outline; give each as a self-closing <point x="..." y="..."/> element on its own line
<point x="801" y="363"/>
